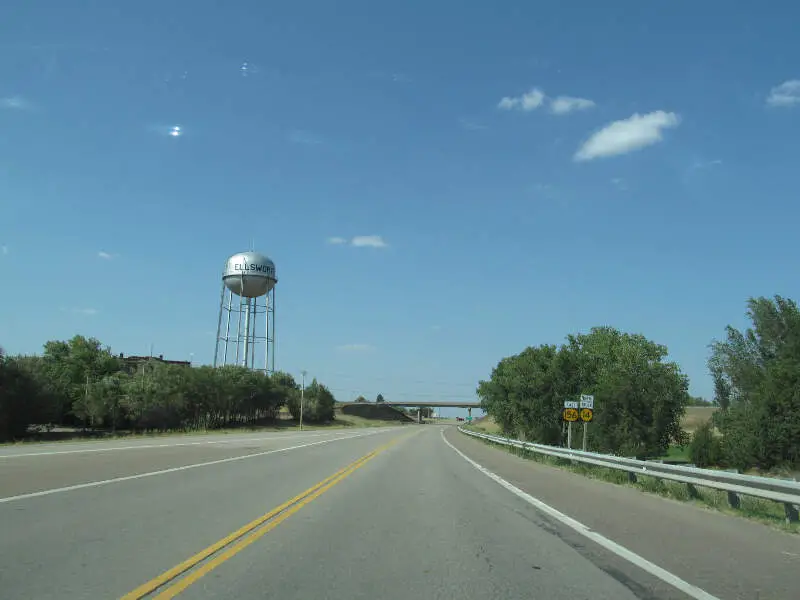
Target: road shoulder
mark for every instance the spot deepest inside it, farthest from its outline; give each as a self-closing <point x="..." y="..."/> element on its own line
<point x="724" y="555"/>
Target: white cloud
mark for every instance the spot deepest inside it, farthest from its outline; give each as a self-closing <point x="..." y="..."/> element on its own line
<point x="471" y="125"/>
<point x="526" y="102"/>
<point x="368" y="241"/>
<point x="85" y="311"/>
<point x="535" y="98"/>
<point x="355" y="348"/>
<point x="704" y="164"/>
<point x="4" y="250"/>
<point x="304" y="137"/>
<point x="635" y="132"/>
<point x="566" y="104"/>
<point x="785" y="94"/>
<point x="619" y="183"/>
<point x="359" y="241"/>
<point x="106" y="255"/>
<point x="173" y="130"/>
<point x="15" y="103"/>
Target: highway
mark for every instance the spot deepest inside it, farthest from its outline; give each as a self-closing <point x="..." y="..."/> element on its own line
<point x="417" y="511"/>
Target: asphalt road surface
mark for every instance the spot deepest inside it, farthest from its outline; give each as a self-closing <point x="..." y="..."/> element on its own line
<point x="410" y="512"/>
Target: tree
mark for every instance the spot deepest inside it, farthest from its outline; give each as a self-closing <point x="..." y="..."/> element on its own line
<point x="19" y="399"/>
<point x="318" y="403"/>
<point x="639" y="399"/>
<point x="756" y="378"/>
<point x="71" y="367"/>
<point x="705" y="449"/>
<point x="361" y="399"/>
<point x="80" y="381"/>
<point x="379" y="399"/>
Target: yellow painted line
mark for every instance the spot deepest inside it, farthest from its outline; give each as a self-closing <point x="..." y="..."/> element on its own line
<point x="292" y="505"/>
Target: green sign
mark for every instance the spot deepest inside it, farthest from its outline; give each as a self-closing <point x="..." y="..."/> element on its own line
<point x="469" y="419"/>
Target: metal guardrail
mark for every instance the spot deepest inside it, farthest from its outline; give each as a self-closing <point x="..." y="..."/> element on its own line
<point x="784" y="491"/>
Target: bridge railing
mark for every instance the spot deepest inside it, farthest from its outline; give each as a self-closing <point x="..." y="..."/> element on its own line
<point x="784" y="491"/>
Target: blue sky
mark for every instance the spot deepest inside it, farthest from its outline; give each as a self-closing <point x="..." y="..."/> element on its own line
<point x="514" y="171"/>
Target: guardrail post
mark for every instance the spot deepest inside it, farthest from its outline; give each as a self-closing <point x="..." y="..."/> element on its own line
<point x="733" y="498"/>
<point x="791" y="511"/>
<point x="693" y="493"/>
<point x="632" y="477"/>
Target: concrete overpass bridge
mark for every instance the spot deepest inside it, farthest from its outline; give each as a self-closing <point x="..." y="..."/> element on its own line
<point x="421" y="404"/>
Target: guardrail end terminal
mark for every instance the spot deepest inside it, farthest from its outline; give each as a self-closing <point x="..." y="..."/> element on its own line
<point x="734" y="500"/>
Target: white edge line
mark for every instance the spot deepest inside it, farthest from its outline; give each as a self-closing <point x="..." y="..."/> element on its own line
<point x="151" y="446"/>
<point x="621" y="551"/>
<point x="92" y="484"/>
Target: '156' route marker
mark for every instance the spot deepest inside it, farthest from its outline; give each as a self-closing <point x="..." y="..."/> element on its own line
<point x="587" y="414"/>
<point x="570" y="415"/>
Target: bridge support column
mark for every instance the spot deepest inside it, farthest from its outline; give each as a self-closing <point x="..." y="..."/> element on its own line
<point x="419" y="415"/>
<point x="469" y="412"/>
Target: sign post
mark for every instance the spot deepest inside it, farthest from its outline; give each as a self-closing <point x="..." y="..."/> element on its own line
<point x="587" y="414"/>
<point x="570" y="415"/>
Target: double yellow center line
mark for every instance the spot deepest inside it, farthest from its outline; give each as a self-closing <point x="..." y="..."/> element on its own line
<point x="231" y="545"/>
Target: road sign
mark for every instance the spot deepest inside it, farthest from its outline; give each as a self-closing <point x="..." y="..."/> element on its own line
<point x="587" y="414"/>
<point x="469" y="419"/>
<point x="587" y="401"/>
<point x="570" y="414"/>
<point x="570" y="404"/>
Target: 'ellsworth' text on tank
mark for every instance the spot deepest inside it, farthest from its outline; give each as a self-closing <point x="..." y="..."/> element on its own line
<point x="267" y="269"/>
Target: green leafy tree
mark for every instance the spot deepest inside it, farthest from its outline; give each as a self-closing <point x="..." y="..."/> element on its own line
<point x="639" y="398"/>
<point x="756" y="377"/>
<point x="19" y="399"/>
<point x="81" y="381"/>
<point x="379" y="399"/>
<point x="705" y="449"/>
<point x="319" y="403"/>
<point x="361" y="399"/>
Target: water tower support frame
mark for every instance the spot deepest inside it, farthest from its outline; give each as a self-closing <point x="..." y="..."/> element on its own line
<point x="246" y="336"/>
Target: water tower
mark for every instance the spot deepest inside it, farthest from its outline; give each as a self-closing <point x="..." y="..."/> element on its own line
<point x="247" y="312"/>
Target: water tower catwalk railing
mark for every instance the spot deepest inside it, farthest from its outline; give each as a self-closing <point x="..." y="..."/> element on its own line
<point x="247" y="300"/>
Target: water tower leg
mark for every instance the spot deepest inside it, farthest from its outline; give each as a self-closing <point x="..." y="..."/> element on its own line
<point x="246" y="353"/>
<point x="219" y="323"/>
<point x="227" y="329"/>
<point x="251" y="358"/>
<point x="272" y="342"/>
<point x="239" y="327"/>
<point x="266" y="334"/>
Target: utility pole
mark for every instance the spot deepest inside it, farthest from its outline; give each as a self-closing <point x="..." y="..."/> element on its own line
<point x="302" y="398"/>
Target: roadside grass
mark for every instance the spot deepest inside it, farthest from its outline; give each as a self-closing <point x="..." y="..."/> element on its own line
<point x="283" y="423"/>
<point x="677" y="454"/>
<point x="756" y="509"/>
<point x="485" y="425"/>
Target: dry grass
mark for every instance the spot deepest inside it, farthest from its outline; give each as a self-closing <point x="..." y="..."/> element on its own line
<point x="485" y="425"/>
<point x="696" y="416"/>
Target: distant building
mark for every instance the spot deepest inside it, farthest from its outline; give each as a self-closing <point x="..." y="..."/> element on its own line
<point x="132" y="363"/>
